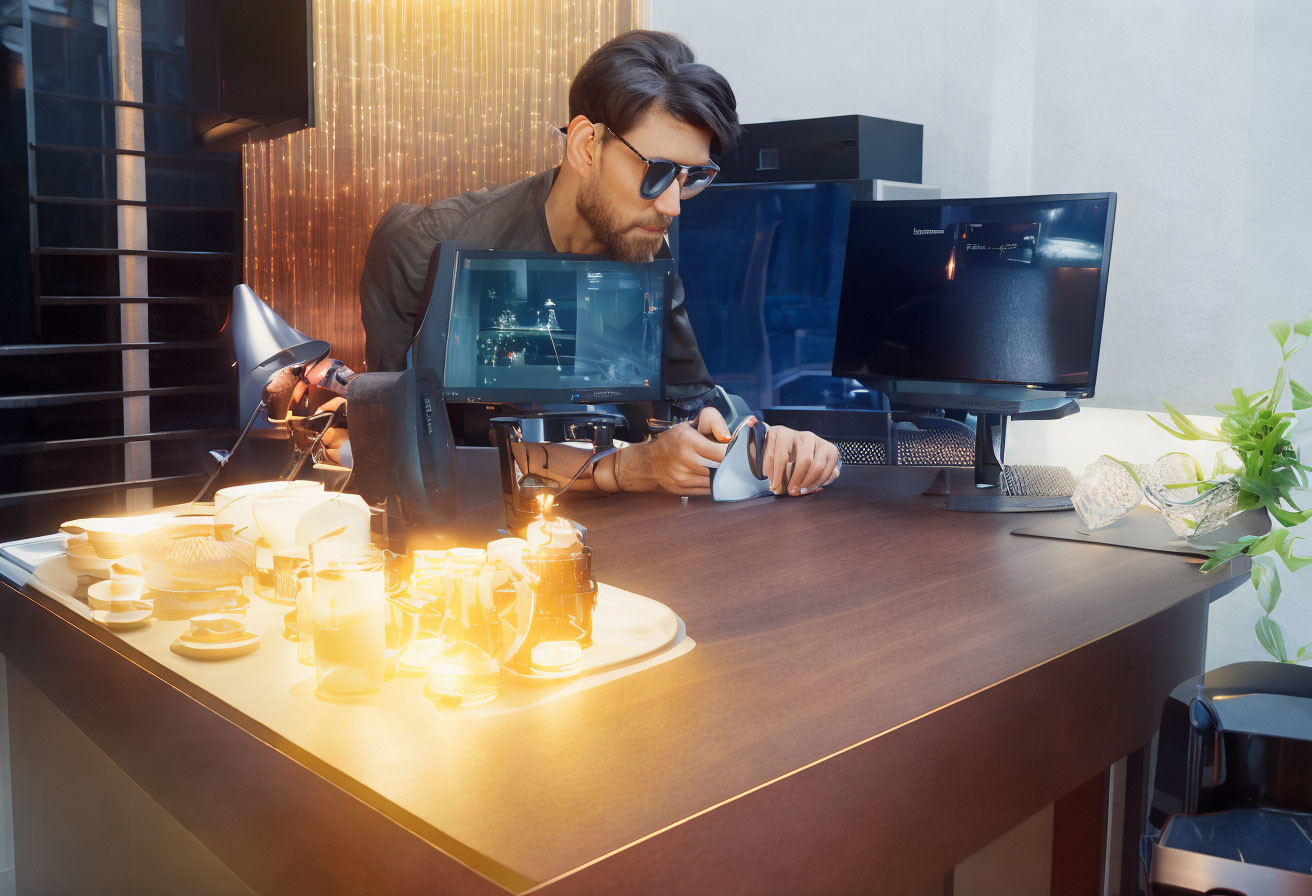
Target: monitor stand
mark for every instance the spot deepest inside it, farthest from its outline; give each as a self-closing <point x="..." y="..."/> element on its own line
<point x="986" y="496"/>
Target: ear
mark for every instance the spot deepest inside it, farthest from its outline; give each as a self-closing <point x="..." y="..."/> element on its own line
<point x="581" y="146"/>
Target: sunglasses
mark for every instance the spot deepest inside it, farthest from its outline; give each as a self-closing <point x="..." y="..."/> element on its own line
<point x="662" y="172"/>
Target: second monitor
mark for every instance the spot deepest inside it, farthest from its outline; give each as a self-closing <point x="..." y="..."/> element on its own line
<point x="976" y="298"/>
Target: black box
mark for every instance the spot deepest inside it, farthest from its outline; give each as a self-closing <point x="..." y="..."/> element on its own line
<point x="845" y="147"/>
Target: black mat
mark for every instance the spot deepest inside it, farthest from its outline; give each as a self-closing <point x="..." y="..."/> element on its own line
<point x="1145" y="529"/>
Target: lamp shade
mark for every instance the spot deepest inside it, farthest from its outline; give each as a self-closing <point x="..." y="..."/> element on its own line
<point x="263" y="343"/>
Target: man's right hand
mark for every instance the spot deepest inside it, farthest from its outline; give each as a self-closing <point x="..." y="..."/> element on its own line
<point x="676" y="460"/>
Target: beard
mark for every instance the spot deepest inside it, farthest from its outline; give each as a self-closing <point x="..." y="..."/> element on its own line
<point x="619" y="239"/>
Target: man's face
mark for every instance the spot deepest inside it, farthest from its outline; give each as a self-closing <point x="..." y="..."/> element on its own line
<point x="629" y="227"/>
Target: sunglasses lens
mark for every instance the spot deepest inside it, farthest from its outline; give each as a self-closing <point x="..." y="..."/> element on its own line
<point x="696" y="181"/>
<point x="658" y="178"/>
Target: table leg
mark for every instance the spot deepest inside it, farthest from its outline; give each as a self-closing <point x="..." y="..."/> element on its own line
<point x="1079" y="838"/>
<point x="1136" y="813"/>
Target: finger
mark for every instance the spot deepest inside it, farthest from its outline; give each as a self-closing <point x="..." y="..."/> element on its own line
<point x="825" y="458"/>
<point x="710" y="422"/>
<point x="687" y="486"/>
<point x="776" y="457"/>
<point x="696" y="444"/>
<point x="802" y="467"/>
<point x="834" y="471"/>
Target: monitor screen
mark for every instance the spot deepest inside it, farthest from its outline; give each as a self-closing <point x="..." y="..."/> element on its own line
<point x="539" y="327"/>
<point x="988" y="291"/>
<point x="762" y="265"/>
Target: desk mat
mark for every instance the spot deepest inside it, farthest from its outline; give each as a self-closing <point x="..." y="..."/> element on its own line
<point x="1144" y="529"/>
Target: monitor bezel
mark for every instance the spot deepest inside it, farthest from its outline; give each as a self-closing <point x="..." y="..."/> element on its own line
<point x="890" y="382"/>
<point x="441" y="290"/>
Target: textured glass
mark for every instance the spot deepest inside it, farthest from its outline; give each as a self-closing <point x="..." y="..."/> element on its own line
<point x="416" y="101"/>
<point x="1171" y="480"/>
<point x="464" y="675"/>
<point x="188" y="557"/>
<point x="1106" y="492"/>
<point x="1205" y="513"/>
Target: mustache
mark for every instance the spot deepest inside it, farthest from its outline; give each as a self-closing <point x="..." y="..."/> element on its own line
<point x="662" y="221"/>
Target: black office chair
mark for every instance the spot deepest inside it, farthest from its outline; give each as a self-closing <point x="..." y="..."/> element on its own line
<point x="1231" y="811"/>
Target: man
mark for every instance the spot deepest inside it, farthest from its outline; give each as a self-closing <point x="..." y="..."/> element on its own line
<point x="645" y="118"/>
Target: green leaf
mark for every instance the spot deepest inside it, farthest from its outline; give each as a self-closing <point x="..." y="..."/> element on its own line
<point x="1304" y="652"/>
<point x="1271" y="638"/>
<point x="1302" y="397"/>
<point x="1128" y="468"/>
<point x="1288" y="519"/>
<point x="1304" y="326"/>
<point x="1280" y="330"/>
<point x="1266" y="579"/>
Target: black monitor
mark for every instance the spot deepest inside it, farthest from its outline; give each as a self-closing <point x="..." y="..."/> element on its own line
<point x="538" y="328"/>
<point x="968" y="299"/>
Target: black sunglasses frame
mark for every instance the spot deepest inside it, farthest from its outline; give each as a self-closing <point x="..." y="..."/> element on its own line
<point x="662" y="183"/>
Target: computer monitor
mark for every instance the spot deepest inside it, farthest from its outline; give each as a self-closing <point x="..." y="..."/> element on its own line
<point x="968" y="299"/>
<point x="537" y="328"/>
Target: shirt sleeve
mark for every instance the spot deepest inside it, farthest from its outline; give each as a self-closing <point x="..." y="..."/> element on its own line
<point x="686" y="375"/>
<point x="395" y="268"/>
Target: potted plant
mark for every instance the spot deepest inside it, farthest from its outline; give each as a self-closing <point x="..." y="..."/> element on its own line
<point x="1266" y="469"/>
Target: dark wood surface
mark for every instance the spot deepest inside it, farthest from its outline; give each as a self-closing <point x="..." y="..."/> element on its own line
<point x="879" y="689"/>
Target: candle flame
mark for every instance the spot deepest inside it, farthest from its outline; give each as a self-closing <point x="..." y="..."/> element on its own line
<point x="544" y="504"/>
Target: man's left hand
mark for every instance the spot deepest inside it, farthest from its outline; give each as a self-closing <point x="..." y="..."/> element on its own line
<point x="815" y="461"/>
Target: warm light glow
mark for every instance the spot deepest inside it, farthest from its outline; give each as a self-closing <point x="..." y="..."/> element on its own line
<point x="556" y="658"/>
<point x="416" y="101"/>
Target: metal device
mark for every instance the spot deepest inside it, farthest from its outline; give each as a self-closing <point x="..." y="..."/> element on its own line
<point x="523" y="490"/>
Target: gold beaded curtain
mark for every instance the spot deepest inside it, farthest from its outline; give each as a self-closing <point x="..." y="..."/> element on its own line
<point x="416" y="100"/>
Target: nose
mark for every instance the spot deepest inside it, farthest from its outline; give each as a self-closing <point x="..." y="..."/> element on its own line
<point x="668" y="202"/>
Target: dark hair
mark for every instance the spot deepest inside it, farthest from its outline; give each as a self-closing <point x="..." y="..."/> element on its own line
<point x="630" y="74"/>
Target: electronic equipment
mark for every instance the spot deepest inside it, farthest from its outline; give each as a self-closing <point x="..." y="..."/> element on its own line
<point x="401" y="443"/>
<point x="979" y="298"/>
<point x="990" y="306"/>
<point x="537" y="328"/>
<point x="838" y="148"/>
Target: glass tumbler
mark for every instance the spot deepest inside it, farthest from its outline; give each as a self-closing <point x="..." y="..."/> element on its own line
<point x="348" y="611"/>
<point x="293" y="583"/>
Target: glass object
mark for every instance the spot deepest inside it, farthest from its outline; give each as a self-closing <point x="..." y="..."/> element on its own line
<point x="1106" y="492"/>
<point x="232" y="506"/>
<point x="1172" y="479"/>
<point x="1205" y="513"/>
<point x="293" y="582"/>
<point x="291" y="572"/>
<point x="187" y="556"/>
<point x="348" y="610"/>
<point x="463" y="675"/>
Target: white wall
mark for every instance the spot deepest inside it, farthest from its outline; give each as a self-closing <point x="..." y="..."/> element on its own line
<point x="1198" y="114"/>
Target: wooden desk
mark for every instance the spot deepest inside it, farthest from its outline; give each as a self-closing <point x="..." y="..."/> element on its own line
<point x="879" y="689"/>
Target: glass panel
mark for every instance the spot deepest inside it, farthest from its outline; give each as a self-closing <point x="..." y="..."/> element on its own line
<point x="532" y="324"/>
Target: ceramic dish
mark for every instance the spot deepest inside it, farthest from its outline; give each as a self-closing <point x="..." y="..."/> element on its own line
<point x="216" y="636"/>
<point x="101" y="595"/>
<point x="122" y="620"/>
<point x="83" y="561"/>
<point x="113" y="536"/>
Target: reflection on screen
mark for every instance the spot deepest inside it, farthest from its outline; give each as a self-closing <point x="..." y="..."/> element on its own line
<point x="529" y="324"/>
<point x="1003" y="292"/>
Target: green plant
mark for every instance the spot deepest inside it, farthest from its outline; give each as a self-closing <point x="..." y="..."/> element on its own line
<point x="1267" y="472"/>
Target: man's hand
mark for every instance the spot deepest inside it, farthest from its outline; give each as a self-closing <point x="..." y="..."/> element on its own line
<point x="676" y="460"/>
<point x="814" y="460"/>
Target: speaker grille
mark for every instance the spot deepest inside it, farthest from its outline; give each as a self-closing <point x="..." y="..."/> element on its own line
<point x="854" y="451"/>
<point x="937" y="442"/>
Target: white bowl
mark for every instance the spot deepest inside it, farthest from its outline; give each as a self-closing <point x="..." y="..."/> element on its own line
<point x="232" y="506"/>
